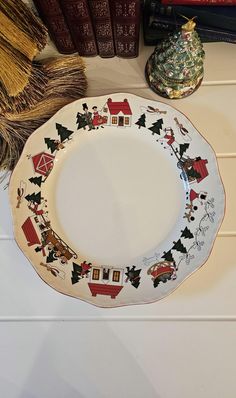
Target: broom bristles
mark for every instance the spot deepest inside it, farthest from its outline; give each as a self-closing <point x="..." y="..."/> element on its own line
<point x="10" y="32"/>
<point x="65" y="84"/>
<point x="15" y="129"/>
<point x="32" y="93"/>
<point x="58" y="69"/>
<point x="26" y="20"/>
<point x="43" y="81"/>
<point x="15" y="69"/>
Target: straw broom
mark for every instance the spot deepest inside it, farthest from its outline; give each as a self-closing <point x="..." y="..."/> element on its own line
<point x="26" y="22"/>
<point x="30" y="92"/>
<point x="19" y="44"/>
<point x="66" y="83"/>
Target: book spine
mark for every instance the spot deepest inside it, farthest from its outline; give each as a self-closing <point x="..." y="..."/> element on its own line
<point x="101" y="18"/>
<point x="51" y="14"/>
<point x="164" y="26"/>
<point x="200" y="2"/>
<point x="220" y="17"/>
<point x="126" y="27"/>
<point x="79" y="21"/>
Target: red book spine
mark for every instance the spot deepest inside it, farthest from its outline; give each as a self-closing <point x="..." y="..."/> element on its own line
<point x="79" y="21"/>
<point x="101" y="18"/>
<point x="126" y="27"/>
<point x="51" y="14"/>
<point x="200" y="2"/>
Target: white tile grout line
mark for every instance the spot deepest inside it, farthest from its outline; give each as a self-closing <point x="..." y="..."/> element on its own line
<point x="113" y="318"/>
<point x="205" y="83"/>
<point x="218" y="82"/>
<point x="226" y="155"/>
<point x="226" y="234"/>
<point x="95" y="91"/>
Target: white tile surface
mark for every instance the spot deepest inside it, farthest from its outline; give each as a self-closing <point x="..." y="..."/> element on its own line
<point x="117" y="359"/>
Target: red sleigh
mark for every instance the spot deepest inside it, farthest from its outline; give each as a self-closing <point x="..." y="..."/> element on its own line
<point x="161" y="272"/>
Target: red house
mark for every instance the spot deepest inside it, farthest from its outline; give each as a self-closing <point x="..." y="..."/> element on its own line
<point x="118" y="113"/>
<point x="43" y="163"/>
<point x="199" y="165"/>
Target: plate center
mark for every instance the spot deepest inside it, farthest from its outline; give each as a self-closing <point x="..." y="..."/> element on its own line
<point x="118" y="195"/>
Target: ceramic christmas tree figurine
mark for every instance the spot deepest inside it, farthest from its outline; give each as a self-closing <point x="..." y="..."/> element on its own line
<point x="175" y="69"/>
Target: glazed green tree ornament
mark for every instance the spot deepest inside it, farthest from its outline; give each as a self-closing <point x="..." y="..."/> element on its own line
<point x="175" y="69"/>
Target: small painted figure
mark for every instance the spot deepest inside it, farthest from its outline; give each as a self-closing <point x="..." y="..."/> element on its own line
<point x="88" y="117"/>
<point x="97" y="119"/>
<point x="169" y="136"/>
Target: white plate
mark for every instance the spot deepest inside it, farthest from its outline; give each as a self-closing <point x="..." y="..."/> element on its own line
<point x="116" y="200"/>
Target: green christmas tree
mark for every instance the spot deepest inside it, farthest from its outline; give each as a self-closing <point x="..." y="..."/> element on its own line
<point x="36" y="180"/>
<point x="51" y="144"/>
<point x="186" y="233"/>
<point x="175" y="69"/>
<point x="182" y="149"/>
<point x="76" y="273"/>
<point x="179" y="247"/>
<point x="156" y="127"/>
<point x="63" y="132"/>
<point x="34" y="197"/>
<point x="168" y="256"/>
<point x="141" y="121"/>
<point x="81" y="121"/>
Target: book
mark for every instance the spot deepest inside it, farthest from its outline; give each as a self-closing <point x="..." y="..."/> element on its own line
<point x="223" y="17"/>
<point x="101" y="18"/>
<point x="78" y="18"/>
<point x="126" y="27"/>
<point x="51" y="14"/>
<point x="160" y="27"/>
<point x="200" y="2"/>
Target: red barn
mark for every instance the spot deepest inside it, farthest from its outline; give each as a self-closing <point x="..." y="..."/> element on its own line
<point x="118" y="113"/>
<point x="43" y="163"/>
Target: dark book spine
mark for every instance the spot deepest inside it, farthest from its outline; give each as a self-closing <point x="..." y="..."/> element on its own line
<point x="51" y="14"/>
<point x="223" y="17"/>
<point x="79" y="21"/>
<point x="126" y="27"/>
<point x="101" y="18"/>
<point x="161" y="27"/>
<point x="200" y="2"/>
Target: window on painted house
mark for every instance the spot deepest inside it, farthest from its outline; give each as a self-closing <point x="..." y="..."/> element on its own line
<point x="116" y="276"/>
<point x="126" y="120"/>
<point x="96" y="274"/>
<point x="105" y="274"/>
<point x="114" y="120"/>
